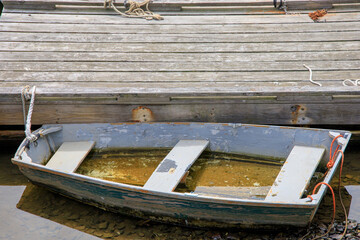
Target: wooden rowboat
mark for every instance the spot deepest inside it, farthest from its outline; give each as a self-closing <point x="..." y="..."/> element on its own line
<point x="53" y="161"/>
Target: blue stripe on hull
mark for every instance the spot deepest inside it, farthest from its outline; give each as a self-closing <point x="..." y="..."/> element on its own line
<point x="196" y="212"/>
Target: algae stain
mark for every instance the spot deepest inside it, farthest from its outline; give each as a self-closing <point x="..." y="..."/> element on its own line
<point x="122" y="165"/>
<point x="135" y="166"/>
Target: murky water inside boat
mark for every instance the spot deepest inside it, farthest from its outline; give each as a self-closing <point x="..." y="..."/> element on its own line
<point x="32" y="212"/>
<point x="135" y="166"/>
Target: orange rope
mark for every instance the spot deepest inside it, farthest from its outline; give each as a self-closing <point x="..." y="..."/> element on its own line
<point x="311" y="198"/>
<point x="332" y="192"/>
<point x="329" y="165"/>
<point x="334" y="206"/>
<point x="339" y="186"/>
<point x="331" y="162"/>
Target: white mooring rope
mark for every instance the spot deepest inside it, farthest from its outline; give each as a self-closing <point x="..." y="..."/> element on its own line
<point x="25" y="95"/>
<point x="310" y="78"/>
<point x="135" y="9"/>
<point x="355" y="82"/>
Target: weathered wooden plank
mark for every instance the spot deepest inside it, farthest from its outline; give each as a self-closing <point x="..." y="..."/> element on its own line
<point x="69" y="156"/>
<point x="123" y="77"/>
<point x="177" y="57"/>
<point x="317" y="113"/>
<point x="120" y="93"/>
<point x="180" y="47"/>
<point x="136" y="89"/>
<point x="153" y="3"/>
<point x="295" y="175"/>
<point x="293" y="4"/>
<point x="180" y="38"/>
<point x="178" y="20"/>
<point x="183" y="11"/>
<point x="314" y="4"/>
<point x="168" y="10"/>
<point x="43" y="6"/>
<point x="344" y="1"/>
<point x="306" y="4"/>
<point x="23" y="5"/>
<point x="173" y="167"/>
<point x="162" y="10"/>
<point x="177" y="66"/>
<point x="12" y="135"/>
<point x="179" y="29"/>
<point x="167" y="2"/>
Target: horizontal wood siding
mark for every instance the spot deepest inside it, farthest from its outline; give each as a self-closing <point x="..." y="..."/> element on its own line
<point x="164" y="4"/>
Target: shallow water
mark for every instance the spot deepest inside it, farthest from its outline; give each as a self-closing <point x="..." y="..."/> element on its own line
<point x="32" y="212"/>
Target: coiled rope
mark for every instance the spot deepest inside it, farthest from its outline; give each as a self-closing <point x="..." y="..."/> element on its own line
<point x="135" y="9"/>
<point x="25" y="96"/>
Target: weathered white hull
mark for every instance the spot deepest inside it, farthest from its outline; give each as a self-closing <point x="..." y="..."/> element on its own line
<point x="181" y="208"/>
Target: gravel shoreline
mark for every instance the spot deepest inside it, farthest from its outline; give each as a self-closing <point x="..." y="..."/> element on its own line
<point x="336" y="232"/>
<point x="314" y="231"/>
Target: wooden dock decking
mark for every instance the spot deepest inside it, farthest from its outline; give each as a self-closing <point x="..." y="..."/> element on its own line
<point x="218" y="64"/>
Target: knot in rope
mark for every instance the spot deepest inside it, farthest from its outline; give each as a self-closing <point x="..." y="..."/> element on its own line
<point x="311" y="198"/>
<point x="25" y="95"/>
<point x="135" y="5"/>
<point x="26" y="92"/>
<point x="136" y="9"/>
<point x="331" y="162"/>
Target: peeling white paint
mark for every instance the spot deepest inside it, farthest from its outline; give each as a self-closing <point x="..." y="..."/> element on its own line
<point x="121" y="130"/>
<point x="214" y="132"/>
<point x="105" y="140"/>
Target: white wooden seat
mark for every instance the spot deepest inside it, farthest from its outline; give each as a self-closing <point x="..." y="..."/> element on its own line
<point x="171" y="170"/>
<point x="295" y="175"/>
<point x="69" y="156"/>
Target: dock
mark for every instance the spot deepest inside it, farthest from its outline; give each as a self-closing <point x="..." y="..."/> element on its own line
<point x="207" y="61"/>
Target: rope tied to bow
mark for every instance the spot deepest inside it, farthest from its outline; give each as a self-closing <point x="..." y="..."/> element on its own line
<point x="25" y="96"/>
<point x="136" y="9"/>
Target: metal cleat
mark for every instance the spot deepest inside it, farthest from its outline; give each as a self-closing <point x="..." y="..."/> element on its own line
<point x="341" y="140"/>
